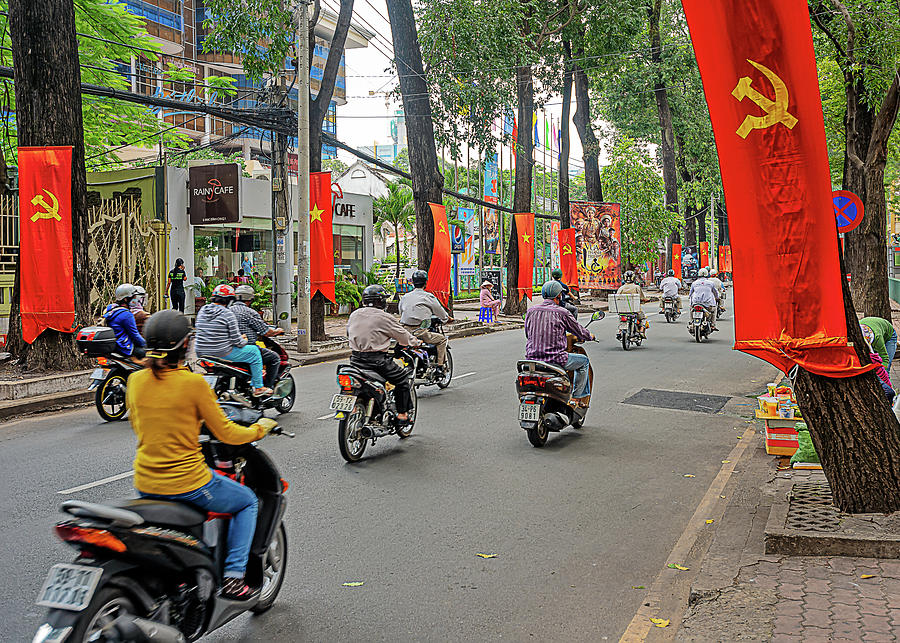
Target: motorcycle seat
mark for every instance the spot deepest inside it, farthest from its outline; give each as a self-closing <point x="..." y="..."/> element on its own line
<point x="219" y="362"/>
<point x="364" y="373"/>
<point x="164" y="513"/>
<point x="532" y="365"/>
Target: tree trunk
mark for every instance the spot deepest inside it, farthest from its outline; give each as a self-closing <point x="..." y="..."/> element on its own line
<point x="568" y="74"/>
<point x="48" y="112"/>
<point x="582" y="120"/>
<point x="522" y="189"/>
<point x="854" y="430"/>
<point x="397" y="251"/>
<point x="427" y="179"/>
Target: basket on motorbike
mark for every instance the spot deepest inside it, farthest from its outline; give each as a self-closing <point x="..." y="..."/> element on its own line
<point x="96" y="341"/>
<point x="625" y="303"/>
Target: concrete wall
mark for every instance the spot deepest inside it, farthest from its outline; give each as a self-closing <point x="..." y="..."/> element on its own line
<point x="356" y="209"/>
<point x="181" y="234"/>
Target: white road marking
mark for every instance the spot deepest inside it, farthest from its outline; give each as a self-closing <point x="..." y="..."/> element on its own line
<point x="459" y="377"/>
<point x="326" y="417"/>
<point x="89" y="485"/>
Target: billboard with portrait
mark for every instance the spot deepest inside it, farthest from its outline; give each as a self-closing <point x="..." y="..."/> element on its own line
<point x="599" y="244"/>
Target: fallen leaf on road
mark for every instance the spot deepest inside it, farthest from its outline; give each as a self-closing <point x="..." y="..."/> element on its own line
<point x="638" y="587"/>
<point x="868" y="576"/>
<point x="725" y="461"/>
<point x="709" y="522"/>
<point x="660" y="622"/>
<point x="689" y="475"/>
<point x="739" y="437"/>
<point x="356" y="583"/>
<point x="722" y="497"/>
<point x="680" y="568"/>
<point x="480" y="555"/>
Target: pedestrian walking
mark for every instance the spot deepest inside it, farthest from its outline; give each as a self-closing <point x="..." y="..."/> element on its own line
<point x="885" y="338"/>
<point x="175" y="285"/>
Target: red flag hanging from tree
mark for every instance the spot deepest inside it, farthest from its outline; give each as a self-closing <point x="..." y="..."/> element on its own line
<point x="568" y="260"/>
<point x="321" y="243"/>
<point x="525" y="231"/>
<point x="759" y="76"/>
<point x="704" y="254"/>
<point x="439" y="270"/>
<point x="676" y="259"/>
<point x="46" y="279"/>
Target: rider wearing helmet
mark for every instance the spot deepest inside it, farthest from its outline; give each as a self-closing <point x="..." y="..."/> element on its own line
<point x="218" y="335"/>
<point x="118" y="317"/>
<point x="630" y="287"/>
<point x="251" y="325"/>
<point x="670" y="285"/>
<point x="557" y="274"/>
<point x="720" y="287"/>
<point x="138" y="302"/>
<point x="370" y="330"/>
<point x="417" y="307"/>
<point x="704" y="293"/>
<point x="168" y="405"/>
<point x="546" y="326"/>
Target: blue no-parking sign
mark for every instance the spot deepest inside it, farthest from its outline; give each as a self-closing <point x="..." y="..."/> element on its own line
<point x="848" y="210"/>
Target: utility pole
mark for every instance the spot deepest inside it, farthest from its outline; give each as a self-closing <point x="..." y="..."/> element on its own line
<point x="283" y="228"/>
<point x="713" y="249"/>
<point x="303" y="285"/>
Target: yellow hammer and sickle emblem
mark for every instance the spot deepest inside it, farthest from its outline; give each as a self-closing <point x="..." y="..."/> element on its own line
<point x="442" y="228"/>
<point x="50" y="211"/>
<point x="776" y="111"/>
<point x="567" y="249"/>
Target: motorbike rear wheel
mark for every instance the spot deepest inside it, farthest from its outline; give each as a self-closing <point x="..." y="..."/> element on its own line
<point x="698" y="333"/>
<point x="406" y="431"/>
<point x="626" y="342"/>
<point x="110" y="397"/>
<point x="107" y="605"/>
<point x="444" y="382"/>
<point x="670" y="316"/>
<point x="352" y="450"/>
<point x="538" y="436"/>
<point x="274" y="565"/>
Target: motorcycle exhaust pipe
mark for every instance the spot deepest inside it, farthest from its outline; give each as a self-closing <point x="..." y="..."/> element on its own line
<point x="366" y="431"/>
<point x="139" y="630"/>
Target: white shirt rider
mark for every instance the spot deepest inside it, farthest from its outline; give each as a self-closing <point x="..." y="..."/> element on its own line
<point x="670" y="286"/>
<point x="704" y="293"/>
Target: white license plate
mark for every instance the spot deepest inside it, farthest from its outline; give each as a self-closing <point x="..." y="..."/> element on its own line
<point x="698" y="315"/>
<point x="212" y="380"/>
<point x="343" y="402"/>
<point x="69" y="587"/>
<point x="98" y="374"/>
<point x="529" y="412"/>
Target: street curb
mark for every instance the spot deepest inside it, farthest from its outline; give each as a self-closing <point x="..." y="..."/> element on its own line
<point x="50" y="401"/>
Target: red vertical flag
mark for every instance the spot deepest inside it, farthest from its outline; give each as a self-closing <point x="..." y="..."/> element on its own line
<point x="525" y="231"/>
<point x="439" y="270"/>
<point x="759" y="74"/>
<point x="46" y="279"/>
<point x="676" y="259"/>
<point x="704" y="254"/>
<point x="321" y="242"/>
<point x="568" y="260"/>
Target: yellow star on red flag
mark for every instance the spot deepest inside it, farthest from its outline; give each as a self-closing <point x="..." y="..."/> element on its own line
<point x="315" y="214"/>
<point x="526" y="238"/>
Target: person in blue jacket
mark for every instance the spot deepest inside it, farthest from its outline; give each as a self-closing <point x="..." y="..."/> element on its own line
<point x="119" y="317"/>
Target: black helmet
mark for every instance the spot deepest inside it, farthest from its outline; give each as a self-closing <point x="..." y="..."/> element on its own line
<point x="419" y="278"/>
<point x="671" y="273"/>
<point x="166" y="331"/>
<point x="375" y="295"/>
<point x="629" y="276"/>
<point x="556" y="273"/>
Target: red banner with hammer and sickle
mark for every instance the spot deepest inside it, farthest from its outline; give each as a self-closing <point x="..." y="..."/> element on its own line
<point x="46" y="276"/>
<point x="439" y="271"/>
<point x="568" y="260"/>
<point x="759" y="74"/>
<point x="321" y="242"/>
<point x="525" y="232"/>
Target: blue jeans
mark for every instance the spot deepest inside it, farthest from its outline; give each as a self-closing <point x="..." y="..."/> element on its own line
<point x="890" y="347"/>
<point x="250" y="354"/>
<point x="580" y="364"/>
<point x="224" y="495"/>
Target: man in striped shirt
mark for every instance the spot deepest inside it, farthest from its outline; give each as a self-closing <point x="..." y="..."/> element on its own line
<point x="546" y="326"/>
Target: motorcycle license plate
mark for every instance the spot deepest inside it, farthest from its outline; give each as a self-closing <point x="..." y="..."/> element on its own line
<point x="343" y="402"/>
<point x="97" y="378"/>
<point x="529" y="412"/>
<point x="212" y="380"/>
<point x="69" y="587"/>
<point x="697" y="315"/>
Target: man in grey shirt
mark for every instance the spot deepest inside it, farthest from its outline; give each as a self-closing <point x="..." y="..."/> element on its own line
<point x="418" y="307"/>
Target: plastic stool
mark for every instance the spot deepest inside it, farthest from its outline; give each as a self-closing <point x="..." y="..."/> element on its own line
<point x="486" y="314"/>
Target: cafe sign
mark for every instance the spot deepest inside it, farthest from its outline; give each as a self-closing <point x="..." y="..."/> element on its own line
<point x="214" y="194"/>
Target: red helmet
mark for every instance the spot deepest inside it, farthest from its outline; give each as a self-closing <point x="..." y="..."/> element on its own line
<point x="223" y="290"/>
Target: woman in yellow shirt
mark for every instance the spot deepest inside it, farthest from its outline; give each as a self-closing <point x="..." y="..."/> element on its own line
<point x="168" y="404"/>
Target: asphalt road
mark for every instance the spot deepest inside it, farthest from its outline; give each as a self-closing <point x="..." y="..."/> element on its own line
<point x="575" y="525"/>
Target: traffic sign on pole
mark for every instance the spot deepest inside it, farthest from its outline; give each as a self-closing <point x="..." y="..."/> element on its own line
<point x="848" y="210"/>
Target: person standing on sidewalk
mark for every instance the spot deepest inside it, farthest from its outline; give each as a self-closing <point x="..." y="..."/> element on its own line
<point x="175" y="285"/>
<point x="417" y="307"/>
<point x="885" y="342"/>
<point x="486" y="297"/>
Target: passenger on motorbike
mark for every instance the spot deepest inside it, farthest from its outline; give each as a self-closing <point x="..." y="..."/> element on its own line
<point x="218" y="336"/>
<point x="137" y="305"/>
<point x="168" y="405"/>
<point x="118" y="317"/>
<point x="546" y="326"/>
<point x="251" y="325"/>
<point x="704" y="293"/>
<point x="417" y="307"/>
<point x="566" y="297"/>
<point x="720" y="287"/>
<point x="370" y="330"/>
<point x="630" y="287"/>
<point x="670" y="285"/>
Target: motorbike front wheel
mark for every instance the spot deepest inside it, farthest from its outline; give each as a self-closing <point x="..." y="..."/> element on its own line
<point x="444" y="382"/>
<point x="538" y="435"/>
<point x="274" y="564"/>
<point x="110" y="398"/>
<point x="352" y="449"/>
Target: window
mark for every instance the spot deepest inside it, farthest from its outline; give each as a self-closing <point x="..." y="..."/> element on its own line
<point x="158" y="15"/>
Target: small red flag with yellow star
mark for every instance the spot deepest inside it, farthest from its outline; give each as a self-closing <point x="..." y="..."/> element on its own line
<point x="321" y="243"/>
<point x="525" y="234"/>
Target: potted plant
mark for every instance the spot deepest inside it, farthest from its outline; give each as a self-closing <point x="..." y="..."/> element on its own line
<point x="347" y="295"/>
<point x="202" y="293"/>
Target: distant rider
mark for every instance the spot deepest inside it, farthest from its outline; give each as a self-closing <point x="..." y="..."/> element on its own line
<point x="704" y="293"/>
<point x="417" y="307"/>
<point x="168" y="405"/>
<point x="218" y="335"/>
<point x="630" y="287"/>
<point x="670" y="285"/>
<point x="546" y="326"/>
<point x="568" y="301"/>
<point x="252" y="326"/>
<point x="370" y="330"/>
<point x="720" y="287"/>
<point x="118" y="317"/>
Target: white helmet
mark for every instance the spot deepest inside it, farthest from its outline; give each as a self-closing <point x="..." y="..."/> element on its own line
<point x="713" y="272"/>
<point x="244" y="293"/>
<point x="703" y="272"/>
<point x="140" y="295"/>
<point x="124" y="292"/>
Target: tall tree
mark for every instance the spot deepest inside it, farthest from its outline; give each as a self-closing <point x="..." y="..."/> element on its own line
<point x="48" y="111"/>
<point x="395" y="210"/>
<point x="590" y="146"/>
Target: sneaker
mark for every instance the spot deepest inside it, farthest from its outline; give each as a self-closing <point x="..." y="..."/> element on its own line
<point x="262" y="392"/>
<point x="236" y="589"/>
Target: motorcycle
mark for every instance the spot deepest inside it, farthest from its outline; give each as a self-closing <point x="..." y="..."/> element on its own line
<point x="150" y="570"/>
<point x="670" y="309"/>
<point x="111" y="375"/>
<point x="545" y="395"/>
<point x="720" y="309"/>
<point x="699" y="325"/>
<point x="629" y="330"/>
<point x="366" y="409"/>
<point x="231" y="380"/>
<point x="427" y="373"/>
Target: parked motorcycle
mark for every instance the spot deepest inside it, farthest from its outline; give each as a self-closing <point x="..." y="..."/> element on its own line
<point x="150" y="570"/>
<point x="545" y="395"/>
<point x="427" y="373"/>
<point x="110" y="377"/>
<point x="670" y="309"/>
<point x="699" y="325"/>
<point x="231" y="381"/>
<point x="366" y="409"/>
<point x="629" y="330"/>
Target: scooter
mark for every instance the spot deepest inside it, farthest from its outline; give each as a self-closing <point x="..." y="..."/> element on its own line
<point x="111" y="375"/>
<point x="427" y="373"/>
<point x="699" y="325"/>
<point x="366" y="409"/>
<point x="670" y="309"/>
<point x="629" y="330"/>
<point x="545" y="395"/>
<point x="150" y="570"/>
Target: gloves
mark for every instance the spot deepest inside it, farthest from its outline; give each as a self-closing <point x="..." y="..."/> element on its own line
<point x="267" y="424"/>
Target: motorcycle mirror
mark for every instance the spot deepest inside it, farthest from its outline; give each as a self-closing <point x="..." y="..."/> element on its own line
<point x="597" y="316"/>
